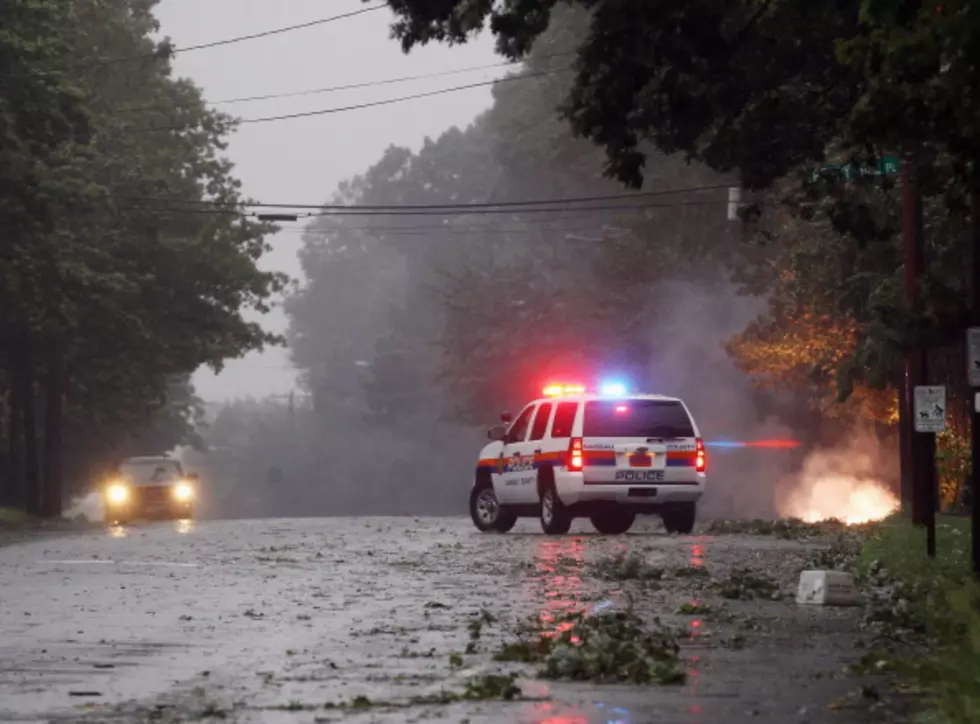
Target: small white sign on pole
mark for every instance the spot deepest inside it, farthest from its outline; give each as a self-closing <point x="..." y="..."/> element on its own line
<point x="734" y="201"/>
<point x="973" y="356"/>
<point x="930" y="408"/>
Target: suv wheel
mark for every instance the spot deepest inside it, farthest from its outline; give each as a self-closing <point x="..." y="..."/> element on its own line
<point x="555" y="519"/>
<point x="679" y="517"/>
<point x="614" y="521"/>
<point x="486" y="512"/>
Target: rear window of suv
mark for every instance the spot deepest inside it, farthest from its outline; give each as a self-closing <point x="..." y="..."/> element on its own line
<point x="636" y="418"/>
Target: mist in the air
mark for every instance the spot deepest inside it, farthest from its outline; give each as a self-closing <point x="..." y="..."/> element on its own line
<point x="383" y="418"/>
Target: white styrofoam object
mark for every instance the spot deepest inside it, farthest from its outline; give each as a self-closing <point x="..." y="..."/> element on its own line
<point x="827" y="588"/>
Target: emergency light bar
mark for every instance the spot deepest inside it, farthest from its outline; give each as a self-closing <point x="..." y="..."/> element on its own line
<point x="607" y="389"/>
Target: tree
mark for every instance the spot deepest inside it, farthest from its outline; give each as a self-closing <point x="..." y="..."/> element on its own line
<point x="751" y="86"/>
<point x="473" y="286"/>
<point x="43" y="124"/>
<point x="131" y="284"/>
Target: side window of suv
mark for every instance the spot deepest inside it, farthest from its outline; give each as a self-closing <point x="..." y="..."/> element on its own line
<point x="541" y="421"/>
<point x="564" y="419"/>
<point x="518" y="431"/>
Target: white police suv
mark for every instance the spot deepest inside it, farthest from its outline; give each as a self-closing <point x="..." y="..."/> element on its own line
<point x="607" y="456"/>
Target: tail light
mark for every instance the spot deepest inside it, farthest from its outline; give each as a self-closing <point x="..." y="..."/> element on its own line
<point x="575" y="455"/>
<point x="700" y="462"/>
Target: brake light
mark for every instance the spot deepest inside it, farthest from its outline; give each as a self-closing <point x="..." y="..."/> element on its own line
<point x="700" y="461"/>
<point x="575" y="455"/>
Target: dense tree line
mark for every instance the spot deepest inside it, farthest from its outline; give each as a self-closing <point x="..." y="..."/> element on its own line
<point x="115" y="283"/>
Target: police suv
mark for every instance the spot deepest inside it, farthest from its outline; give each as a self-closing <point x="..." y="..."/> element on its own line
<point x="606" y="456"/>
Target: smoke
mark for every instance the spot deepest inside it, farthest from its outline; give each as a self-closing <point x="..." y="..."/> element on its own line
<point x="853" y="482"/>
<point x="692" y="364"/>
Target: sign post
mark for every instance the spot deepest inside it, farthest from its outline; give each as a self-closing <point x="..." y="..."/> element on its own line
<point x="930" y="417"/>
<point x="973" y="356"/>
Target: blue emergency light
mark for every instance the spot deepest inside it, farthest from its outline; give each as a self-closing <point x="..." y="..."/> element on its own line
<point x="612" y="389"/>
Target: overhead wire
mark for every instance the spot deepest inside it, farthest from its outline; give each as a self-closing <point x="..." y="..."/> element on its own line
<point x="394" y="211"/>
<point x="357" y="106"/>
<point x="353" y="86"/>
<point x="475" y="205"/>
<point x="237" y="39"/>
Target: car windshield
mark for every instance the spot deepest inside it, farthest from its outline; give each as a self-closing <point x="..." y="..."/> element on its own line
<point x="636" y="418"/>
<point x="150" y="471"/>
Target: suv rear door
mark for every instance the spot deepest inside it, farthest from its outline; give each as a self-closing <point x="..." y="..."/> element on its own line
<point x="639" y="441"/>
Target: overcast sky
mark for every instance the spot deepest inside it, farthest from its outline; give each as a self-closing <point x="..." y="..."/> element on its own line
<point x="301" y="161"/>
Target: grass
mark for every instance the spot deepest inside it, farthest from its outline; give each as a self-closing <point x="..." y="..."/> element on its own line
<point x="934" y="603"/>
<point x="12" y="516"/>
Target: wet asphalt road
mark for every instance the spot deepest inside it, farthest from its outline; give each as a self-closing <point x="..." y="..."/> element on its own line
<point x="274" y="620"/>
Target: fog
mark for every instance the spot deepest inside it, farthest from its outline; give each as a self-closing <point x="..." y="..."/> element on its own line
<point x="302" y="161"/>
<point x="407" y="336"/>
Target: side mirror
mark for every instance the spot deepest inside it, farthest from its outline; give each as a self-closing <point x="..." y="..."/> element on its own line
<point x="505" y="417"/>
<point x="497" y="433"/>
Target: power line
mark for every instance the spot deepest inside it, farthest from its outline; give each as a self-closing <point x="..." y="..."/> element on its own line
<point x="278" y="31"/>
<point x="480" y="205"/>
<point x="360" y="106"/>
<point x="351" y="86"/>
<point x="238" y="39"/>
<point x="449" y="230"/>
<point x="394" y="211"/>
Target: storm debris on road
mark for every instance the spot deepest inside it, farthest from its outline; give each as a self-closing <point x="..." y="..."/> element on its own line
<point x="419" y="632"/>
<point x="784" y="528"/>
<point x="745" y="584"/>
<point x="623" y="566"/>
<point x="616" y="647"/>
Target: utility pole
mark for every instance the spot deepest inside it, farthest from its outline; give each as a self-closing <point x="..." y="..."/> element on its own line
<point x="973" y="371"/>
<point x="921" y="446"/>
<point x="914" y="374"/>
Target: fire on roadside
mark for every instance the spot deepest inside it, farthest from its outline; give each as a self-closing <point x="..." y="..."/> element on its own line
<point x="840" y="484"/>
<point x="850" y="500"/>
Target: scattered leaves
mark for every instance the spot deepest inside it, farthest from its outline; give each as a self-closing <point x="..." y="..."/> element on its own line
<point x="630" y="566"/>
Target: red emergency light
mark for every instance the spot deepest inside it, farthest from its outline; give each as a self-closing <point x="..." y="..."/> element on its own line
<point x="559" y="390"/>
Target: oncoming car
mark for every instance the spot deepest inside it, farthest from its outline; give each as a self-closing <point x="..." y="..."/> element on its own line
<point x="606" y="456"/>
<point x="150" y="486"/>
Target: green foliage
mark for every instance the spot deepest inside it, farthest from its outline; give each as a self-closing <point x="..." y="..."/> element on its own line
<point x="116" y="299"/>
<point x="719" y="81"/>
<point x="938" y="598"/>
<point x="616" y="647"/>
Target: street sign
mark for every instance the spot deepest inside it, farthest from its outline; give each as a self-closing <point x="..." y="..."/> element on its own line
<point x="973" y="356"/>
<point x="930" y="408"/>
<point x="887" y="165"/>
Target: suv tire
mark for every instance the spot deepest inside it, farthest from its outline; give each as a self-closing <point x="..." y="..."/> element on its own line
<point x="679" y="517"/>
<point x="555" y="519"/>
<point x="486" y="512"/>
<point x="613" y="521"/>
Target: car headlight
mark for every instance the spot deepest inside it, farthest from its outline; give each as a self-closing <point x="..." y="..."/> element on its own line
<point x="117" y="493"/>
<point x="183" y="492"/>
